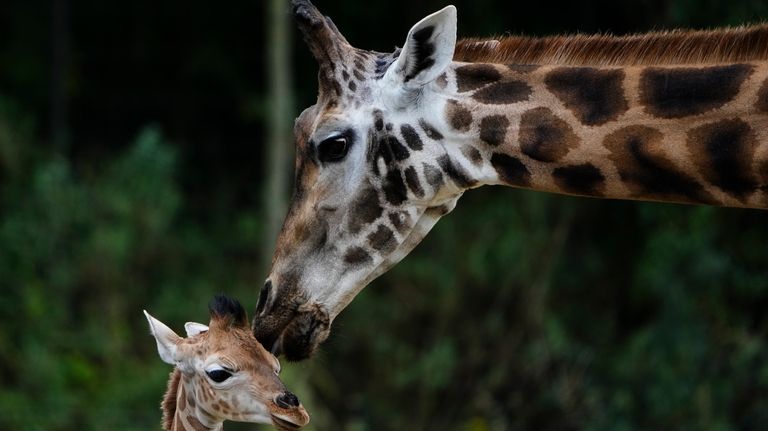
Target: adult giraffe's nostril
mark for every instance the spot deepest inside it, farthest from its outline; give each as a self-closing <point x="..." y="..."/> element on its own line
<point x="287" y="400"/>
<point x="264" y="297"/>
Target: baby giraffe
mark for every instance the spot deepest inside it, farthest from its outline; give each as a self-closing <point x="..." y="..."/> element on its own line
<point x="222" y="373"/>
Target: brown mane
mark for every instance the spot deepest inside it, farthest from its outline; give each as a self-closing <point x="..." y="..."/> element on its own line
<point x="729" y="45"/>
<point x="168" y="405"/>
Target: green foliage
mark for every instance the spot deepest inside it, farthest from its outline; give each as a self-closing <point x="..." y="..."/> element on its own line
<point x="80" y="256"/>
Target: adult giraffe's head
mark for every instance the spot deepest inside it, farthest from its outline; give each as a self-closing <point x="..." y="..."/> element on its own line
<point x="370" y="176"/>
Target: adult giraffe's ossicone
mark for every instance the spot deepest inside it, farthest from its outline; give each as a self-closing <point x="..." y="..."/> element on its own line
<point x="396" y="138"/>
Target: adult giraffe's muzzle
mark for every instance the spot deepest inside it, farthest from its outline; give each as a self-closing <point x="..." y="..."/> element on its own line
<point x="289" y="325"/>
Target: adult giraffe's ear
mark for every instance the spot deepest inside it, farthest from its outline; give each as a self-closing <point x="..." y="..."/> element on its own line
<point x="428" y="50"/>
<point x="167" y="340"/>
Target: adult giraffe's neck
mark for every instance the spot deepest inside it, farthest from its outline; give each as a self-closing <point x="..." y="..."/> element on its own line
<point x="180" y="410"/>
<point x="694" y="134"/>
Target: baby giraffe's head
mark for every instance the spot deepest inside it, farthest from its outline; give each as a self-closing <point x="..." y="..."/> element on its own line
<point x="223" y="373"/>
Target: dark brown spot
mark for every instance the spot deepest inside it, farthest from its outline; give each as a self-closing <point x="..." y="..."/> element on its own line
<point x="723" y="152"/>
<point x="458" y="116"/>
<point x="639" y="156"/>
<point x="545" y="137"/>
<point x="352" y="86"/>
<point x="378" y="120"/>
<point x="182" y="403"/>
<point x="502" y="93"/>
<point x="395" y="148"/>
<point x="472" y="155"/>
<point x="382" y="239"/>
<point x="196" y="424"/>
<point x="493" y="129"/>
<point x="474" y="76"/>
<point x="411" y="137"/>
<point x="762" y="98"/>
<point x="345" y="75"/>
<point x="366" y="208"/>
<point x="594" y="96"/>
<point x="358" y="75"/>
<point x="583" y="179"/>
<point x="191" y="401"/>
<point x="357" y="256"/>
<point x="412" y="179"/>
<point x="433" y="175"/>
<point x="394" y="187"/>
<point x="430" y="131"/>
<point x="511" y="170"/>
<point x="455" y="172"/>
<point x="682" y="91"/>
<point x="399" y="220"/>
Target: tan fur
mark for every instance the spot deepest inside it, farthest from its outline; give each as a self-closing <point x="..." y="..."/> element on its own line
<point x="729" y="45"/>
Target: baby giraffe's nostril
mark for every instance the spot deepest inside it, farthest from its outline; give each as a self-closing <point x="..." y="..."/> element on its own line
<point x="287" y="400"/>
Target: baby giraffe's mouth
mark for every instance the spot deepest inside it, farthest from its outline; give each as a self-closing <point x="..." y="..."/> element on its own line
<point x="288" y="414"/>
<point x="284" y="424"/>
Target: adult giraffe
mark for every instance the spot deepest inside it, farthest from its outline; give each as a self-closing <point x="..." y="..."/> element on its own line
<point x="396" y="138"/>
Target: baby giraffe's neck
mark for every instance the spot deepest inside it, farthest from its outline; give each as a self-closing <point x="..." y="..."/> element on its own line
<point x="180" y="409"/>
<point x="694" y="134"/>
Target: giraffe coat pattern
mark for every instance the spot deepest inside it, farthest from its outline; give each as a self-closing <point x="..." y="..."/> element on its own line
<point x="669" y="116"/>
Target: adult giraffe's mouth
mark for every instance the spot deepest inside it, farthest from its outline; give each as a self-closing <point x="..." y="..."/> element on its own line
<point x="302" y="335"/>
<point x="289" y="325"/>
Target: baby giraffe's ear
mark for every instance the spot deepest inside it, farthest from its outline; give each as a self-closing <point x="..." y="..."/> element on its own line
<point x="428" y="50"/>
<point x="194" y="328"/>
<point x="167" y="340"/>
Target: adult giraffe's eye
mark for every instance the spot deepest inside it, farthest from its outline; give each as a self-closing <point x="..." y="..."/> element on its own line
<point x="218" y="375"/>
<point x="332" y="149"/>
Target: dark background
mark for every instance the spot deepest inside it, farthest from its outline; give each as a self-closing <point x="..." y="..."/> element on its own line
<point x="133" y="167"/>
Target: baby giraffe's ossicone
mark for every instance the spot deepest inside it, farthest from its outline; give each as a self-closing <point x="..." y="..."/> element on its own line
<point x="222" y="373"/>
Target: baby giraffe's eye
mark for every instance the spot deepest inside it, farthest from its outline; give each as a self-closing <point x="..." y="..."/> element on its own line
<point x="332" y="149"/>
<point x="218" y="375"/>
